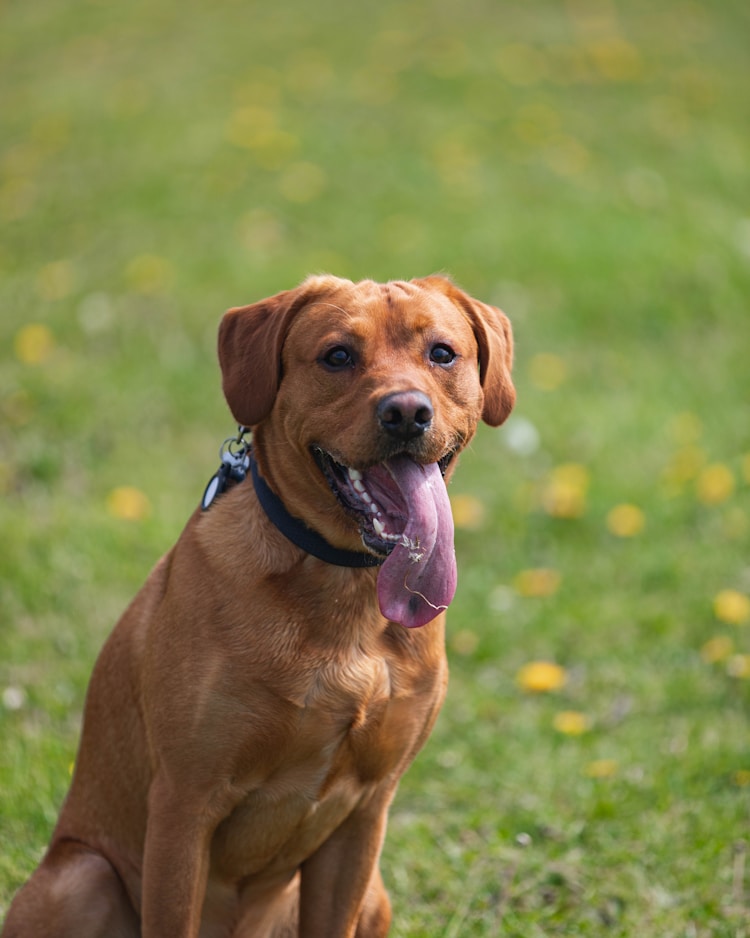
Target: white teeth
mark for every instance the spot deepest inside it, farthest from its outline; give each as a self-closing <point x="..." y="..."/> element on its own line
<point x="355" y="477"/>
<point x="379" y="529"/>
<point x="356" y="481"/>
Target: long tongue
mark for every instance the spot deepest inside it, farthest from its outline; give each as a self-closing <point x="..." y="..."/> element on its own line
<point x="418" y="580"/>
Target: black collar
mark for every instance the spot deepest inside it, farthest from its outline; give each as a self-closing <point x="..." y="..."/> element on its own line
<point x="299" y="533"/>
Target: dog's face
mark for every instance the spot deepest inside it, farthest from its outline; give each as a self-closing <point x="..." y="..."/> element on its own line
<point x="361" y="396"/>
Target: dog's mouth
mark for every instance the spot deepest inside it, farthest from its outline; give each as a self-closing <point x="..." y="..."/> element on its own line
<point x="404" y="515"/>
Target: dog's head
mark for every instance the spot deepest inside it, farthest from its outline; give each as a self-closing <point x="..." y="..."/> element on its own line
<point x="361" y="395"/>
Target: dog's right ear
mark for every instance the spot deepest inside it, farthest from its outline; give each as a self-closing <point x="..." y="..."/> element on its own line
<point x="250" y="342"/>
<point x="251" y="339"/>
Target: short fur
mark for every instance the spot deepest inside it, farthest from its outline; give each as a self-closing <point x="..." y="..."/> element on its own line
<point x="250" y="716"/>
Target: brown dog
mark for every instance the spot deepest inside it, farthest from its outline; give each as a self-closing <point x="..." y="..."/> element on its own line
<point x="249" y="719"/>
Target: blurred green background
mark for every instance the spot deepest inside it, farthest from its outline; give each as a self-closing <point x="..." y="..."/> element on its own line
<point x="583" y="165"/>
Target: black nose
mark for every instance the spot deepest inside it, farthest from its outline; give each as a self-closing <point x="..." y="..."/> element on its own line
<point x="405" y="414"/>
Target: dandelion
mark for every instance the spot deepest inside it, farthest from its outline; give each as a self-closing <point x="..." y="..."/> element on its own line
<point x="684" y="466"/>
<point x="626" y="520"/>
<point x="715" y="484"/>
<point x="571" y="722"/>
<point x="128" y="504"/>
<point x="564" y="495"/>
<point x="602" y="768"/>
<point x="739" y="666"/>
<point x="539" y="677"/>
<point x="468" y="511"/>
<point x="541" y="581"/>
<point x="732" y="606"/>
<point x="716" y="649"/>
<point x="34" y="344"/>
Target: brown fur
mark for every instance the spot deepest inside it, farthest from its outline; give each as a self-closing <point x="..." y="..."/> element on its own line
<point x="250" y="716"/>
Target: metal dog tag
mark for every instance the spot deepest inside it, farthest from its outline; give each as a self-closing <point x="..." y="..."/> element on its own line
<point x="233" y="468"/>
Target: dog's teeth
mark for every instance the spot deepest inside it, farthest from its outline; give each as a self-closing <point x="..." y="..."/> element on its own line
<point x="355" y="475"/>
<point x="358" y="486"/>
<point x="379" y="527"/>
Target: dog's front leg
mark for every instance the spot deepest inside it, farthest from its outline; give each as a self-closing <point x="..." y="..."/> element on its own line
<point x="341" y="887"/>
<point x="175" y="866"/>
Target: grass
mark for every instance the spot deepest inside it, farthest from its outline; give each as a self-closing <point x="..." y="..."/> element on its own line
<point x="582" y="165"/>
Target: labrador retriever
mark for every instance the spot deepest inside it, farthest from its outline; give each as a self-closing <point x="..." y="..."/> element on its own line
<point x="249" y="718"/>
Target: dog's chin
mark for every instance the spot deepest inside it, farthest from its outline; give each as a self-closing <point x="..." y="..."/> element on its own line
<point x="380" y="525"/>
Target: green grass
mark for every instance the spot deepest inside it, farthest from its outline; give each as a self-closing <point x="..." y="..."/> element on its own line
<point x="583" y="165"/>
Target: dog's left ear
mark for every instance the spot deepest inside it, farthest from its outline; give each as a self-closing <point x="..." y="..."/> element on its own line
<point x="251" y="339"/>
<point x="494" y="336"/>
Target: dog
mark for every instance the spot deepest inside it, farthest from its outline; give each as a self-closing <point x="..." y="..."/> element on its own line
<point x="249" y="718"/>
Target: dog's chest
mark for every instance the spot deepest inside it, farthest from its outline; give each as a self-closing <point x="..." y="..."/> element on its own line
<point x="353" y="730"/>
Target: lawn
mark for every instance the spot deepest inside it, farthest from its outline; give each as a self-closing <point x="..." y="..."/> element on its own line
<point x="583" y="165"/>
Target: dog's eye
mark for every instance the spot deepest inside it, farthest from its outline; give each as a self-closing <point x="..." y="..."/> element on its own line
<point x="338" y="357"/>
<point x="442" y="355"/>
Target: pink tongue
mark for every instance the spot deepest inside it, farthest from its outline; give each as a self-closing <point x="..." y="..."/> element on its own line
<point x="418" y="579"/>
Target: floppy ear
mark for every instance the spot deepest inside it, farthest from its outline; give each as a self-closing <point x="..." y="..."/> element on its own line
<point x="250" y="342"/>
<point x="494" y="336"/>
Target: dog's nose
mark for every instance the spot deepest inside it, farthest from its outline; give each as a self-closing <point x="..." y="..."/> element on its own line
<point x="405" y="414"/>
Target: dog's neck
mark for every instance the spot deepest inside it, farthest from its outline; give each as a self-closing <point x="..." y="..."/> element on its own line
<point x="298" y="532"/>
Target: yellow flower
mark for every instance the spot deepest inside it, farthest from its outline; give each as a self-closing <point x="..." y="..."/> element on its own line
<point x="541" y="581"/>
<point x="602" y="768"/>
<point x="538" y="677"/>
<point x="716" y="649"/>
<point x="468" y="511"/>
<point x="685" y="466"/>
<point x="571" y="722"/>
<point x="741" y="778"/>
<point x="34" y="344"/>
<point x="715" y="484"/>
<point x="128" y="503"/>
<point x="626" y="520"/>
<point x="732" y="606"/>
<point x="564" y="495"/>
<point x="739" y="666"/>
